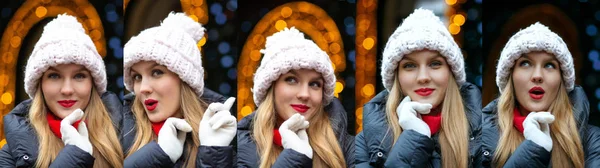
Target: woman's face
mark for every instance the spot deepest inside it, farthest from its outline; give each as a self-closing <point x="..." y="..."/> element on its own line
<point x="158" y="89"/>
<point x="424" y="76"/>
<point x="66" y="87"/>
<point x="536" y="79"/>
<point x="298" y="91"/>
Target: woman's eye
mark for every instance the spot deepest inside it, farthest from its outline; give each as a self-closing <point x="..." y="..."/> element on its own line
<point x="157" y="72"/>
<point x="136" y="77"/>
<point x="436" y="64"/>
<point x="291" y="80"/>
<point x="409" y="65"/>
<point x="524" y="63"/>
<point x="53" y="76"/>
<point x="550" y="65"/>
<point x="315" y="84"/>
<point x="80" y="76"/>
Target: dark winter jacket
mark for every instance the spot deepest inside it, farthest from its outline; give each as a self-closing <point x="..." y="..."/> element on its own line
<point x="21" y="149"/>
<point x="248" y="155"/>
<point x="151" y="155"/>
<point x="375" y="148"/>
<point x="529" y="154"/>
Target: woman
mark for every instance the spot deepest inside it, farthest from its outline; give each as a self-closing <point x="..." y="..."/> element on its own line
<point x="66" y="122"/>
<point x="428" y="116"/>
<point x="293" y="125"/>
<point x="166" y="125"/>
<point x="543" y="122"/>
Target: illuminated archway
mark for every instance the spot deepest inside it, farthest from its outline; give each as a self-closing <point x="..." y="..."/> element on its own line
<point x="306" y="17"/>
<point x="29" y="14"/>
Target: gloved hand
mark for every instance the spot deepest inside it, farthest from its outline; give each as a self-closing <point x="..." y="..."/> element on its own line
<point x="218" y="126"/>
<point x="409" y="119"/>
<point x="171" y="137"/>
<point x="294" y="136"/>
<point x="78" y="137"/>
<point x="536" y="128"/>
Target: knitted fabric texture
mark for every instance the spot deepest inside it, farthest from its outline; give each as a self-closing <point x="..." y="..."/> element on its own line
<point x="173" y="45"/>
<point x="289" y="50"/>
<point x="421" y="30"/>
<point x="64" y="41"/>
<point x="536" y="37"/>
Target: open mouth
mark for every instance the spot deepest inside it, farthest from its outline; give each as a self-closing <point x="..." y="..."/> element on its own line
<point x="150" y="104"/>
<point x="536" y="92"/>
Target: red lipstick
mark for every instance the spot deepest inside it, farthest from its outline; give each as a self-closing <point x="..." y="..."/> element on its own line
<point x="536" y="92"/>
<point x="67" y="103"/>
<point x="150" y="104"/>
<point x="301" y="108"/>
<point x="424" y="91"/>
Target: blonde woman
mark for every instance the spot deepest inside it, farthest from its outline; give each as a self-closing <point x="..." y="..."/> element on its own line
<point x="428" y="116"/>
<point x="69" y="120"/>
<point x="166" y="122"/>
<point x="298" y="122"/>
<point x="540" y="118"/>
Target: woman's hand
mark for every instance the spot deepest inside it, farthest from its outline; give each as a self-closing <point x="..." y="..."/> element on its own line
<point x="409" y="116"/>
<point x="218" y="126"/>
<point x="536" y="128"/>
<point x="171" y="137"/>
<point x="78" y="137"/>
<point x="294" y="136"/>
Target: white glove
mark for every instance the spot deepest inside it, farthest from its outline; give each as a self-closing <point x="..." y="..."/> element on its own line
<point x="293" y="135"/>
<point x="218" y="126"/>
<point x="171" y="137"/>
<point x="409" y="119"/>
<point x="536" y="129"/>
<point x="78" y="137"/>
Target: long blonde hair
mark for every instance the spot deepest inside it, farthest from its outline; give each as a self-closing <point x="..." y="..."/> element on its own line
<point x="326" y="149"/>
<point x="106" y="146"/>
<point x="192" y="109"/>
<point x="454" y="131"/>
<point x="567" y="150"/>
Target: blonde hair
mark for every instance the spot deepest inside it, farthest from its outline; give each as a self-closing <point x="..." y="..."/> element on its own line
<point x="106" y="146"/>
<point x="192" y="109"/>
<point x="454" y="130"/>
<point x="567" y="150"/>
<point x="326" y="149"/>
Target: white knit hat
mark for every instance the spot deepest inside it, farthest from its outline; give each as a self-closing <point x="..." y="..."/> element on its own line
<point x="173" y="45"/>
<point x="64" y="42"/>
<point x="421" y="30"/>
<point x="536" y="37"/>
<point x="289" y="50"/>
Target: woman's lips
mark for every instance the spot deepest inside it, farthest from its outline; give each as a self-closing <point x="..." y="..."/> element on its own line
<point x="536" y="92"/>
<point x="300" y="108"/>
<point x="150" y="104"/>
<point x="424" y="91"/>
<point x="67" y="103"/>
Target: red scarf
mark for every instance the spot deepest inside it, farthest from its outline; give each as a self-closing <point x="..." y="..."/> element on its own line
<point x="518" y="120"/>
<point x="433" y="120"/>
<point x="157" y="126"/>
<point x="277" y="137"/>
<point x="54" y="123"/>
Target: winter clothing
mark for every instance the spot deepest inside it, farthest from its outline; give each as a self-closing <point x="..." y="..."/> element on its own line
<point x="248" y="155"/>
<point x="289" y="50"/>
<point x="21" y="149"/>
<point x="173" y="45"/>
<point x="529" y="154"/>
<point x="536" y="37"/>
<point x="208" y="156"/>
<point x="375" y="147"/>
<point x="421" y="30"/>
<point x="64" y="42"/>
